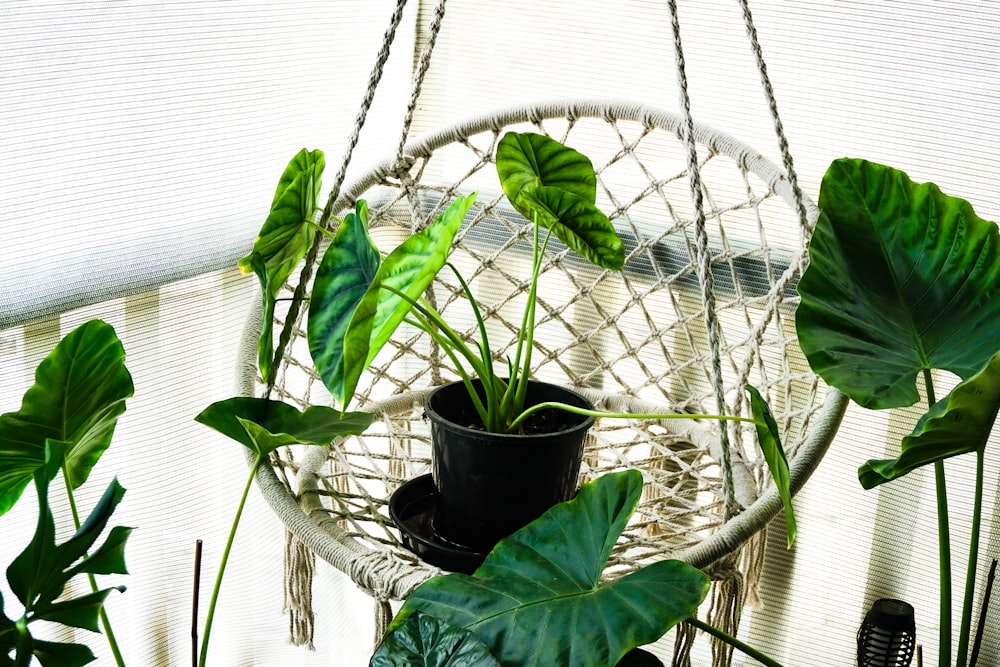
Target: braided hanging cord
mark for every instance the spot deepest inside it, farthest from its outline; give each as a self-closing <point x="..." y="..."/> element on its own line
<point x="337" y="507"/>
<point x="299" y="562"/>
<point x="704" y="262"/>
<point x="772" y="105"/>
<point x="300" y="290"/>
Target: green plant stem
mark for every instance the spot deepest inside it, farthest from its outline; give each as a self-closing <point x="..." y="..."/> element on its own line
<point x="944" y="546"/>
<point x="526" y="339"/>
<point x="105" y="621"/>
<point x="734" y="642"/>
<point x="970" y="572"/>
<point x="619" y="415"/>
<point x="222" y="566"/>
<point x="324" y="230"/>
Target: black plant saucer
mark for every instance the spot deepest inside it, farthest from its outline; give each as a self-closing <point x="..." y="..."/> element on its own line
<point x="411" y="508"/>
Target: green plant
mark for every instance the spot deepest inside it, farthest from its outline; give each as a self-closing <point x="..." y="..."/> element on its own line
<point x="902" y="280"/>
<point x="262" y="426"/>
<point x="538" y="599"/>
<point x="358" y="299"/>
<point x="65" y="423"/>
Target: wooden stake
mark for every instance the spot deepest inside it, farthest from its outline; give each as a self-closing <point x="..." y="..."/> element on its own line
<point x="194" y="603"/>
<point x="981" y="627"/>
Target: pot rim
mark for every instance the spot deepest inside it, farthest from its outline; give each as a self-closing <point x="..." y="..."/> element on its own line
<point x="430" y="413"/>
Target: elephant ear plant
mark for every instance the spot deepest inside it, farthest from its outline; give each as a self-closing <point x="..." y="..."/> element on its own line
<point x="359" y="299"/>
<point x="538" y="599"/>
<point x="65" y="424"/>
<point x="902" y="280"/>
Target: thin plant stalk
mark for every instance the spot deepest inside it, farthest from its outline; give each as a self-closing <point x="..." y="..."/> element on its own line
<point x="222" y="565"/>
<point x="103" y="615"/>
<point x="527" y="340"/>
<point x="944" y="550"/>
<point x="970" y="573"/>
<point x="981" y="626"/>
<point x="944" y="546"/>
<point x="734" y="642"/>
<point x="194" y="603"/>
<point x="620" y="415"/>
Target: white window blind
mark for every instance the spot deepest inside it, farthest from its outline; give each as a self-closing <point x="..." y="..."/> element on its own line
<point x="142" y="140"/>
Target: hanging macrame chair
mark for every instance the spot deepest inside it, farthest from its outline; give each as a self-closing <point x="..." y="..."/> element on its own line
<point x="704" y="305"/>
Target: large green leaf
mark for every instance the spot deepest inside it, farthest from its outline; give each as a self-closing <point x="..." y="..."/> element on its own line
<point x="960" y="423"/>
<point x="263" y="425"/>
<point x="528" y="160"/>
<point x="79" y="392"/>
<point x="555" y="186"/>
<point x="576" y="222"/>
<point x="346" y="271"/>
<point x="426" y="641"/>
<point x="410" y="269"/>
<point x="901" y="278"/>
<point x="777" y="463"/>
<point x="287" y="232"/>
<point x="538" y="598"/>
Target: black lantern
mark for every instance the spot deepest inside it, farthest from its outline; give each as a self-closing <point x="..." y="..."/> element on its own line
<point x="888" y="635"/>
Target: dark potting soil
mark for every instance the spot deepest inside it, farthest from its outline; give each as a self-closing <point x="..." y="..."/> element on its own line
<point x="540" y="423"/>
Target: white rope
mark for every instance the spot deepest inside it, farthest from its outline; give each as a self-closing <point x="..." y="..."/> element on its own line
<point x="779" y="128"/>
<point x="421" y="73"/>
<point x="300" y="290"/>
<point x="704" y="262"/>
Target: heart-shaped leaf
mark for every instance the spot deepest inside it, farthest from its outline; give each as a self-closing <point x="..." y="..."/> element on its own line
<point x="576" y="222"/>
<point x="410" y="269"/>
<point x="774" y="455"/>
<point x="528" y="160"/>
<point x="538" y="598"/>
<point x="287" y="232"/>
<point x="555" y="186"/>
<point x="901" y="278"/>
<point x="960" y="423"/>
<point x="430" y="642"/>
<point x="346" y="271"/>
<point x="79" y="392"/>
<point x="262" y="425"/>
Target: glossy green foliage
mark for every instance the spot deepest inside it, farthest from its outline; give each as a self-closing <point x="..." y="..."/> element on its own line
<point x="901" y="278"/>
<point x="79" y="392"/>
<point x="346" y="271"/>
<point x="774" y="455"/>
<point x="263" y="425"/>
<point x="40" y="573"/>
<point x="288" y="230"/>
<point x="425" y="641"/>
<point x="555" y="187"/>
<point x="284" y="239"/>
<point x="265" y="343"/>
<point x="538" y="599"/>
<point x="960" y="423"/>
<point x="409" y="269"/>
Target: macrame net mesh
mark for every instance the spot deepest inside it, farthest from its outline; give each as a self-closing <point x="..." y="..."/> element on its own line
<point x="633" y="341"/>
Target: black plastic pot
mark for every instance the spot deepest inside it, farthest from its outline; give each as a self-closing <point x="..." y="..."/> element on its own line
<point x="488" y="484"/>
